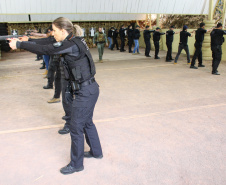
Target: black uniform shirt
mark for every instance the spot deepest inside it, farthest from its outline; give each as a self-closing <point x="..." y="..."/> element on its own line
<point x="130" y="33"/>
<point x="115" y="34"/>
<point x="147" y="34"/>
<point x="217" y="37"/>
<point x="184" y="37"/>
<point x="122" y="32"/>
<point x="199" y="35"/>
<point x="156" y="36"/>
<point x="169" y="36"/>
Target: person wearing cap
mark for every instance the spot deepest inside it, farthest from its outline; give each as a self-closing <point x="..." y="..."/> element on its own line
<point x="156" y="39"/>
<point x="147" y="36"/>
<point x="217" y="39"/>
<point x="169" y="40"/>
<point x="130" y="38"/>
<point x="199" y="37"/>
<point x="136" y="36"/>
<point x="110" y="34"/>
<point x="183" y="44"/>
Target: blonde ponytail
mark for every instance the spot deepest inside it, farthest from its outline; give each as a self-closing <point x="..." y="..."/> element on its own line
<point x="77" y="30"/>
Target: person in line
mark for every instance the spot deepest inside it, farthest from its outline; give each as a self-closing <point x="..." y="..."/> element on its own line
<point x="147" y="36"/>
<point x="130" y="38"/>
<point x="100" y="40"/>
<point x="80" y="69"/>
<point x="156" y="38"/>
<point x="169" y="41"/>
<point x="115" y="41"/>
<point x="199" y="37"/>
<point x="217" y="39"/>
<point x="136" y="36"/>
<point x="110" y="34"/>
<point x="122" y="37"/>
<point x="183" y="44"/>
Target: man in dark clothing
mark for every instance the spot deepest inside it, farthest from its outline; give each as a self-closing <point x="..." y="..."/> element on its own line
<point x="184" y="44"/>
<point x="169" y="40"/>
<point x="199" y="37"/>
<point x="217" y="39"/>
<point x="115" y="42"/>
<point x="147" y="37"/>
<point x="156" y="38"/>
<point x="122" y="37"/>
<point x="136" y="36"/>
<point x="130" y="38"/>
<point x="110" y="34"/>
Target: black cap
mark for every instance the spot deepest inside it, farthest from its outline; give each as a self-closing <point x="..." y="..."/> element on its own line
<point x="157" y="28"/>
<point x="219" y="25"/>
<point x="172" y="26"/>
<point x="137" y="26"/>
<point x="112" y="28"/>
<point x="147" y="26"/>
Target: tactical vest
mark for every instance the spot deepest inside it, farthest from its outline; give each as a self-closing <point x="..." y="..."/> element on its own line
<point x="100" y="37"/>
<point x="83" y="67"/>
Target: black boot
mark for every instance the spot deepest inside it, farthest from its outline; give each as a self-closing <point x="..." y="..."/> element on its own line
<point x="90" y="155"/>
<point x="43" y="65"/>
<point x="64" y="130"/>
<point x="70" y="169"/>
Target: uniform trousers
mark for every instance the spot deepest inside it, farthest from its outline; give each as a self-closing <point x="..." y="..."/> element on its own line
<point x="54" y="75"/>
<point x="180" y="48"/>
<point x="156" y="43"/>
<point x="122" y="43"/>
<point x="169" y="51"/>
<point x="67" y="106"/>
<point x="115" y="42"/>
<point x="130" y="43"/>
<point x="216" y="54"/>
<point x="82" y="124"/>
<point x="197" y="54"/>
<point x="148" y="47"/>
<point x="100" y="47"/>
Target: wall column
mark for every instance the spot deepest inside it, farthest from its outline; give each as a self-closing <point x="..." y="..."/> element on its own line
<point x="206" y="50"/>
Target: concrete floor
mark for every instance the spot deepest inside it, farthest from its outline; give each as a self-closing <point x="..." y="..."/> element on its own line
<point x="158" y="123"/>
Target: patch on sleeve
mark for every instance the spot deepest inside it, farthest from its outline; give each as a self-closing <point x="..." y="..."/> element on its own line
<point x="57" y="44"/>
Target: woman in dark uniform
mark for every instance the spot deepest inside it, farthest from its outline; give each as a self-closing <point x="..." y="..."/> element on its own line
<point x="81" y="70"/>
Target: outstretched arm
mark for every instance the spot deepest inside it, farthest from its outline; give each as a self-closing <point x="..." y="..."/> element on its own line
<point x="50" y="49"/>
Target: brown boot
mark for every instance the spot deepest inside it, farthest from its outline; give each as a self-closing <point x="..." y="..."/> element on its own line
<point x="46" y="72"/>
<point x="54" y="100"/>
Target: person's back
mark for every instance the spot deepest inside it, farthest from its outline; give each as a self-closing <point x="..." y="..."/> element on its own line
<point x="217" y="37"/>
<point x="169" y="36"/>
<point x="184" y="37"/>
<point x="147" y="35"/>
<point x="199" y="35"/>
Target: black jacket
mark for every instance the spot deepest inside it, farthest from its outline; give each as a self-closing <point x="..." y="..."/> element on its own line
<point x="74" y="50"/>
<point x="110" y="33"/>
<point x="122" y="32"/>
<point x="136" y="34"/>
<point x="130" y="33"/>
<point x="217" y="37"/>
<point x="156" y="36"/>
<point x="147" y="34"/>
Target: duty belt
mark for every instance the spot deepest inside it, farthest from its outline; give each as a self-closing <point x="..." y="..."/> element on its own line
<point x="87" y="82"/>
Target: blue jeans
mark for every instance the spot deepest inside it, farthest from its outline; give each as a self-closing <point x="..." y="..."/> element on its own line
<point x="110" y="40"/>
<point x="46" y="60"/>
<point x="136" y="47"/>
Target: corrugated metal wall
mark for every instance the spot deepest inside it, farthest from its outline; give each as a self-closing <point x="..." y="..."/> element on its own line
<point x="42" y="10"/>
